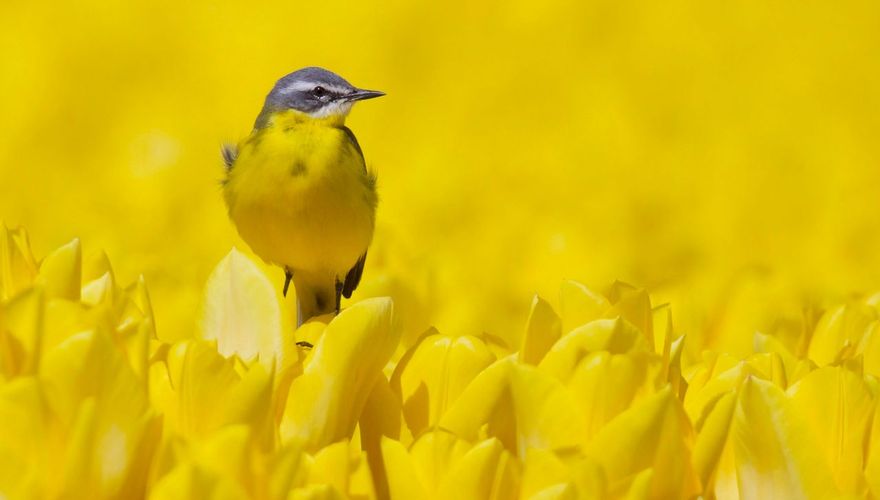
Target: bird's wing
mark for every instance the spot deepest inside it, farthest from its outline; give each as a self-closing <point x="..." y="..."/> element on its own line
<point x="353" y="139"/>
<point x="370" y="175"/>
<point x="353" y="278"/>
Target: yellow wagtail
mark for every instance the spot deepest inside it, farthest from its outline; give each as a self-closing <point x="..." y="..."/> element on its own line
<point x="299" y="192"/>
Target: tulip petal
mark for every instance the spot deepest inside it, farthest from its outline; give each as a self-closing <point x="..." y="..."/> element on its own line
<point x="189" y="481"/>
<point x="613" y="335"/>
<point x="838" y="408"/>
<point x="61" y="272"/>
<point x="664" y="335"/>
<point x="434" y="454"/>
<point x="343" y="468"/>
<point x="604" y="385"/>
<point x="634" y="305"/>
<point x="518" y="404"/>
<point x="241" y="310"/>
<point x="640" y="487"/>
<point x="289" y="470"/>
<point x="326" y="400"/>
<point x="435" y="373"/>
<point x="25" y="439"/>
<point x="21" y="333"/>
<point x="18" y="270"/>
<point x="111" y="444"/>
<point x="580" y="305"/>
<point x="872" y="464"/>
<point x="704" y="394"/>
<point x="675" y="378"/>
<point x="226" y="453"/>
<point x="403" y="478"/>
<point x="712" y="439"/>
<point x="564" y="491"/>
<point x="250" y="402"/>
<point x="658" y="427"/>
<point x="870" y="350"/>
<point x="200" y="389"/>
<point x="841" y="327"/>
<point x="776" y="456"/>
<point x="380" y="418"/>
<point x="486" y="471"/>
<point x="316" y="492"/>
<point x="101" y="291"/>
<point x="543" y="329"/>
<point x="542" y="470"/>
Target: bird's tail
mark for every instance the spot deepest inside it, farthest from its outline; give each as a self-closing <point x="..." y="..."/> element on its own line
<point x="315" y="295"/>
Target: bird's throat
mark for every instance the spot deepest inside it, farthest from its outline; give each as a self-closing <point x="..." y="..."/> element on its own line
<point x="291" y="117"/>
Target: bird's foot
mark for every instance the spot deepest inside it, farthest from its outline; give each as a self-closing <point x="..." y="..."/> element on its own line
<point x="339" y="285"/>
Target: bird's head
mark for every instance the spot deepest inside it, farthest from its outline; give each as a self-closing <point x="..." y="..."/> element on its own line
<point x="315" y="92"/>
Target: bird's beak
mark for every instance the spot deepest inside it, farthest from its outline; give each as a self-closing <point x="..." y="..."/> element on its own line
<point x="361" y="94"/>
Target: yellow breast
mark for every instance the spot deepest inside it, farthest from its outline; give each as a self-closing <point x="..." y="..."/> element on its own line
<point x="300" y="195"/>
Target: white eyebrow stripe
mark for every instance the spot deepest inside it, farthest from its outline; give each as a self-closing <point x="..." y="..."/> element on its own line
<point x="307" y="86"/>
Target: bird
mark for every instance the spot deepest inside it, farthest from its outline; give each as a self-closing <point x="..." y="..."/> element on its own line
<point x="298" y="190"/>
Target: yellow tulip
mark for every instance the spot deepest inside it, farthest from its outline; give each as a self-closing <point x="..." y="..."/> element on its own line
<point x="517" y="404"/>
<point x="872" y="464"/>
<point x="659" y="429"/>
<point x="17" y="266"/>
<point x="440" y="465"/>
<point x="543" y="329"/>
<point x="840" y="331"/>
<point x="241" y="311"/>
<point x="580" y="305"/>
<point x="434" y="373"/>
<point x="602" y="401"/>
<point x="721" y="156"/>
<point x="28" y="445"/>
<point x="776" y="455"/>
<point x="837" y="407"/>
<point x="325" y="402"/>
<point x="61" y="272"/>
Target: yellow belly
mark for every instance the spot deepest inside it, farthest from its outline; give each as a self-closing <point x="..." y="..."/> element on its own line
<point x="301" y="197"/>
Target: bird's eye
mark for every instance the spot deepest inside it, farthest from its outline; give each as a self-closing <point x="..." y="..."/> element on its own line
<point x="319" y="91"/>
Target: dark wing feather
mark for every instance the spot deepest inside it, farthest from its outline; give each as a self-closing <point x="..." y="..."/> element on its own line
<point x="353" y="139"/>
<point x="353" y="278"/>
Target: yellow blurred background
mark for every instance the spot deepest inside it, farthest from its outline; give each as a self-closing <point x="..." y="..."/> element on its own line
<point x="724" y="156"/>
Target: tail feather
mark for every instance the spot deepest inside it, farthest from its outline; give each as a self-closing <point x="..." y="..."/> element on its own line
<point x="353" y="278"/>
<point x="315" y="295"/>
<point x="229" y="153"/>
